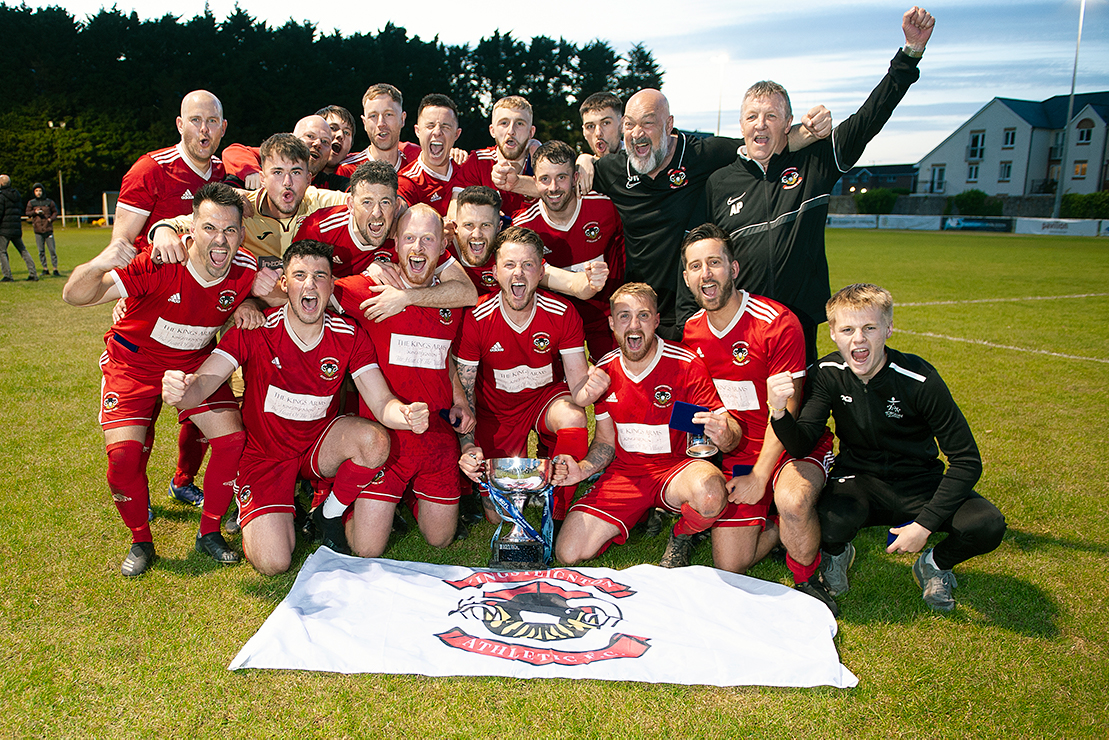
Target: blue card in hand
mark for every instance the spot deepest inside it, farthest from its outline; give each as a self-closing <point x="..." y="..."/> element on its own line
<point x="681" y="417"/>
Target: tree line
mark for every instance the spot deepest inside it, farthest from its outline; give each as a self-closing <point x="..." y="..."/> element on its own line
<point x="116" y="82"/>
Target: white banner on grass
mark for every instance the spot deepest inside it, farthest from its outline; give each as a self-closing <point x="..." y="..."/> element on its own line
<point x="691" y="625"/>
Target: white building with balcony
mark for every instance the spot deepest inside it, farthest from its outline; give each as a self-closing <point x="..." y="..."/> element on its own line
<point x="1013" y="147"/>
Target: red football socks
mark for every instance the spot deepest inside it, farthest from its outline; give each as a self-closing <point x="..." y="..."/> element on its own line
<point x="191" y="446"/>
<point x="219" y="479"/>
<point x="572" y="441"/>
<point x="128" y="484"/>
<point x="802" y="573"/>
<point x="350" y="480"/>
<point x="692" y="521"/>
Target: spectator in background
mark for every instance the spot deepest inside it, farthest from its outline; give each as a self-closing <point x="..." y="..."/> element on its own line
<point x="43" y="212"/>
<point x="11" y="229"/>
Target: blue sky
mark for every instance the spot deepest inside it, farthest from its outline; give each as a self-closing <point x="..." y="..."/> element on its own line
<point x="830" y="53"/>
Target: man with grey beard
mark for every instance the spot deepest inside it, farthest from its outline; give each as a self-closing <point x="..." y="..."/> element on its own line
<point x="657" y="183"/>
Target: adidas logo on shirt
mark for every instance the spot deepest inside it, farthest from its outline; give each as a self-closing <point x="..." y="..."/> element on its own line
<point x="187" y="195"/>
<point x="175" y="298"/>
<point x="611" y="398"/>
<point x="434" y="197"/>
<point x="496" y="348"/>
<point x="276" y="363"/>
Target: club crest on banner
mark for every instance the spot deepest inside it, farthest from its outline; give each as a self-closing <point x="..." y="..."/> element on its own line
<point x="558" y="616"/>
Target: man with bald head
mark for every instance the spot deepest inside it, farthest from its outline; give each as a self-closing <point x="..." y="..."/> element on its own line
<point x="244" y="163"/>
<point x="160" y="185"/>
<point x="413" y="351"/>
<point x="657" y="184"/>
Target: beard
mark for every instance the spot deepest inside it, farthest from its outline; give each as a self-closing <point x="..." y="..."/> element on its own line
<point x="651" y="162"/>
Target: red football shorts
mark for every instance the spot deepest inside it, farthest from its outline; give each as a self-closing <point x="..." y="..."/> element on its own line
<point x="749" y="515"/>
<point x="428" y="461"/>
<point x="129" y="396"/>
<point x="623" y="495"/>
<point x="504" y="432"/>
<point x="267" y="486"/>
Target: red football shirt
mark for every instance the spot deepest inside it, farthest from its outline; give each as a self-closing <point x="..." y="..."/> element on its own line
<point x="173" y="314"/>
<point x="292" y="389"/>
<point x="407" y="152"/>
<point x="640" y="405"/>
<point x="595" y="233"/>
<point x="419" y="184"/>
<point x="162" y="184"/>
<point x="412" y="346"/>
<point x="517" y="362"/>
<point x="478" y="170"/>
<point x="763" y="339"/>
<point x="335" y="226"/>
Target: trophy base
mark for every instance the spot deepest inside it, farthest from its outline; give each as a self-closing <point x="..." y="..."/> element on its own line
<point x="517" y="556"/>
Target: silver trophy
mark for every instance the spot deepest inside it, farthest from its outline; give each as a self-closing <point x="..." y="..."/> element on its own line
<point x="699" y="444"/>
<point x="511" y="482"/>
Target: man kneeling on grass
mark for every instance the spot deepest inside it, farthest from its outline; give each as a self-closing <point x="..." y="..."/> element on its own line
<point x="890" y="411"/>
<point x="293" y="367"/>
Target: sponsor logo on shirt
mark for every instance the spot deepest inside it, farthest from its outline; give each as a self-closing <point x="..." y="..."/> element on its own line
<point x="523" y="377"/>
<point x="406" y="350"/>
<point x="791" y="178"/>
<point x="677" y="178"/>
<point x="187" y="195"/>
<point x="329" y="368"/>
<point x="496" y="347"/>
<point x="611" y="398"/>
<point x="182" y="336"/>
<point x="111" y="400"/>
<point x="663" y="395"/>
<point x="264" y="234"/>
<point x="226" y="300"/>
<point x="445" y="316"/>
<point x="541" y="341"/>
<point x="633" y="180"/>
<point x="737" y="395"/>
<point x="336" y="259"/>
<point x="740" y="353"/>
<point x="276" y="363"/>
<point x="175" y="298"/>
<point x="846" y="399"/>
<point x="648" y="439"/>
<point x="735" y="204"/>
<point x="592" y="231"/>
<point x="434" y="197"/>
<point x="295" y="406"/>
<point x="488" y="278"/>
<point x="893" y="411"/>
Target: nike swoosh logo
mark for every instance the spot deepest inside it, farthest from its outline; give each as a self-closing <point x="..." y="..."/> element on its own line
<point x="264" y="234"/>
<point x="738" y="197"/>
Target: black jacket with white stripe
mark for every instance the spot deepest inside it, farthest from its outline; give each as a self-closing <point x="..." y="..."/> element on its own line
<point x="776" y="217"/>
<point x="889" y="427"/>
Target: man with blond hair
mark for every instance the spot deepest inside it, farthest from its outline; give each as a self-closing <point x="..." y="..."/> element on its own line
<point x="891" y="410"/>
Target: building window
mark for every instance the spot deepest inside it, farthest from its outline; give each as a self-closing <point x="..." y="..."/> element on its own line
<point x="1006" y="172"/>
<point x="1010" y="139"/>
<point x="1085" y="131"/>
<point x="972" y="172"/>
<point x="937" y="184"/>
<point x="977" y="145"/>
<point x="1080" y="169"/>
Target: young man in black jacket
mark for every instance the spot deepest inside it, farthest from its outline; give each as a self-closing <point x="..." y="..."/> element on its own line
<point x="11" y="229"/>
<point x="891" y="409"/>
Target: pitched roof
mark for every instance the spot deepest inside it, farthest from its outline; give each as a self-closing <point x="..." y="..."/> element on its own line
<point x="1052" y="113"/>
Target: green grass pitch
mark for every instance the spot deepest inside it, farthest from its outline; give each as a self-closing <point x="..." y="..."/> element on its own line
<point x="86" y="652"/>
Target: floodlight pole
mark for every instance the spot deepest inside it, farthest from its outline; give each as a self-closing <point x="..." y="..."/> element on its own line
<point x="1066" y="124"/>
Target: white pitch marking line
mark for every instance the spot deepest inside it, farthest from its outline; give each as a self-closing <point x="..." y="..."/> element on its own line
<point x="1005" y="300"/>
<point x="1000" y="346"/>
